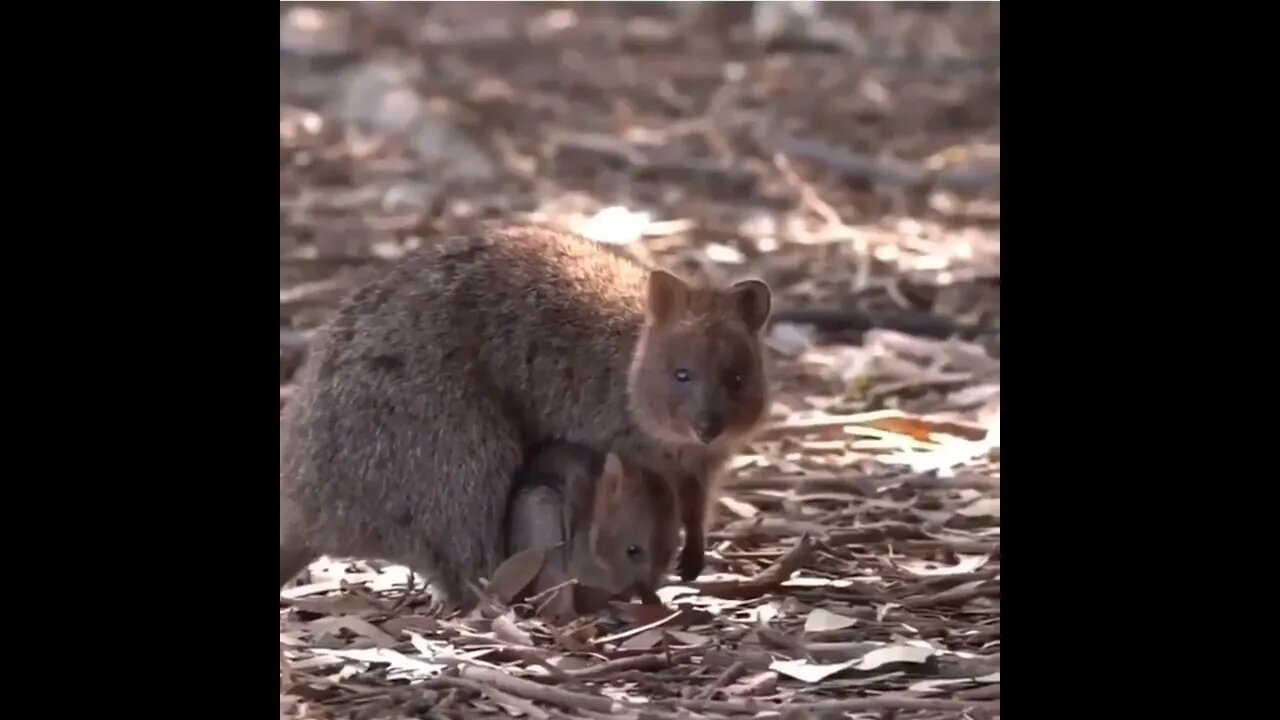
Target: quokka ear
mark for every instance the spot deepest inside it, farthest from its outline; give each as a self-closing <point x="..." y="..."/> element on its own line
<point x="668" y="297"/>
<point x="612" y="467"/>
<point x="753" y="301"/>
<point x="609" y="489"/>
<point x="609" y="500"/>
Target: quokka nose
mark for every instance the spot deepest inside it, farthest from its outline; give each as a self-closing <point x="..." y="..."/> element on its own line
<point x="709" y="429"/>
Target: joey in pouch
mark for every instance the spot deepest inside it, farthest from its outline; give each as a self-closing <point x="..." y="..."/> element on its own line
<point x="612" y="529"/>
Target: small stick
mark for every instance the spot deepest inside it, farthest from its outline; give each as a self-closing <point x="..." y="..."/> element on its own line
<point x="533" y="599"/>
<point x="767" y="579"/>
<point x="410" y="593"/>
<point x="450" y="698"/>
<point x="726" y="677"/>
<point x="499" y="696"/>
<point x="635" y="662"/>
<point x="530" y="656"/>
<point x="637" y="630"/>
<point x="823" y="422"/>
<point x="534" y="691"/>
<point x="808" y="196"/>
<point x="880" y="702"/>
<point x="552" y="594"/>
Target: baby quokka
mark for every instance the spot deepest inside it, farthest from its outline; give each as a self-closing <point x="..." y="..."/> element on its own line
<point x="610" y="528"/>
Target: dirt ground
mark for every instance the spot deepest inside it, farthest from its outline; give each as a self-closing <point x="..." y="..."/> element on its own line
<point x="852" y="161"/>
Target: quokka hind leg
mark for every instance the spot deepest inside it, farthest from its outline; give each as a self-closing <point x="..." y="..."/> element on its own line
<point x="453" y="489"/>
<point x="294" y="556"/>
<point x="693" y="500"/>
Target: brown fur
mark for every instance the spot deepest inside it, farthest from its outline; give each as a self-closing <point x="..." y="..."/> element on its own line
<point x="415" y="409"/>
<point x="714" y="336"/>
<point x="611" y="528"/>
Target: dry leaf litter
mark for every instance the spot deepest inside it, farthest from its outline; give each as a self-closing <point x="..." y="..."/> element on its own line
<point x="849" y="155"/>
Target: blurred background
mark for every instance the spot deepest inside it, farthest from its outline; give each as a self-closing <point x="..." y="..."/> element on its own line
<point x="848" y="153"/>
<point x="836" y="149"/>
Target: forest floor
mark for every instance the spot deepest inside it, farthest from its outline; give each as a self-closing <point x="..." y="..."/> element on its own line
<point x="854" y="566"/>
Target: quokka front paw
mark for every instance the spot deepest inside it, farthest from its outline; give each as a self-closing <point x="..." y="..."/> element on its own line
<point x="692" y="560"/>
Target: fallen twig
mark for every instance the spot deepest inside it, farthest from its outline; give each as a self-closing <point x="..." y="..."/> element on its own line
<point x="881" y="702"/>
<point x="635" y="662"/>
<point x="986" y="692"/>
<point x="731" y="673"/>
<point x="497" y="695"/>
<point x="957" y="595"/>
<point x="535" y="691"/>
<point x="870" y="484"/>
<point x="864" y="170"/>
<point x="637" y="630"/>
<point x="765" y="581"/>
<point x="869" y="533"/>
<point x="823" y="422"/>
<point x="904" y="321"/>
<point x="655" y="163"/>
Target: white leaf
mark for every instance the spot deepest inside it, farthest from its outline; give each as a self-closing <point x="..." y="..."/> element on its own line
<point x="988" y="507"/>
<point x="974" y="394"/>
<point x="504" y="628"/>
<point x="820" y="620"/>
<point x="615" y="225"/>
<point x="724" y="254"/>
<point x="689" y="638"/>
<point x="928" y="686"/>
<point x="883" y="610"/>
<point x="813" y="582"/>
<point x="643" y="641"/>
<point x="767" y="612"/>
<point x="427" y="648"/>
<point x="807" y="671"/>
<point x="668" y="593"/>
<point x="894" y="654"/>
<point x="571" y="662"/>
<point x="967" y="564"/>
<point x="790" y="340"/>
<point x="739" y="508"/>
<point x="402" y="666"/>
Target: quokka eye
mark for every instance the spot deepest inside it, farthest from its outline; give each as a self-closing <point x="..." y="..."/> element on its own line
<point x="682" y="375"/>
<point x="634" y="553"/>
<point x="733" y="380"/>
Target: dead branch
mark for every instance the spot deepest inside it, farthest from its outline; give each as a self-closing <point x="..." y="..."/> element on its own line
<point x="637" y="630"/>
<point x="957" y="595"/>
<point x="656" y="163"/>
<point x="833" y="320"/>
<point x="767" y="580"/>
<point x="881" y="702"/>
<point x="869" y="484"/>
<point x="760" y="527"/>
<point x="535" y="691"/>
<point x="986" y="692"/>
<point x="824" y="422"/>
<point x="497" y="695"/>
<point x="865" y="171"/>
<point x="636" y="662"/>
<point x="731" y="673"/>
